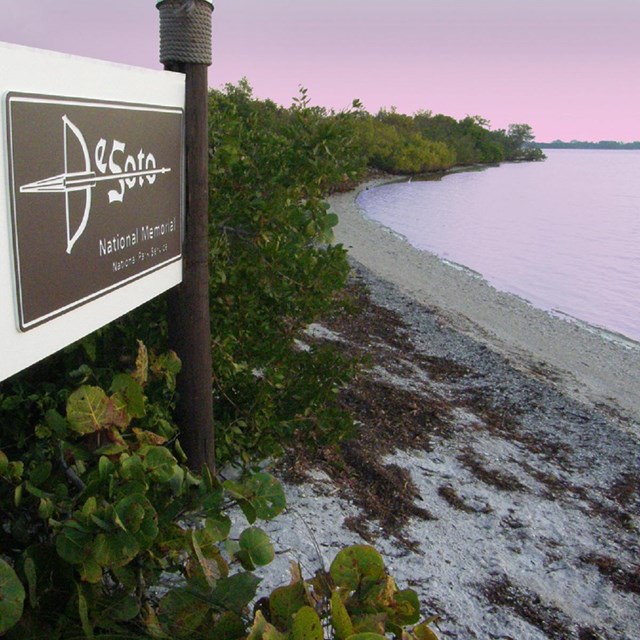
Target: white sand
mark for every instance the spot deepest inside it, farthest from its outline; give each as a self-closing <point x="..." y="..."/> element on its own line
<point x="589" y="364"/>
<point x="536" y="538"/>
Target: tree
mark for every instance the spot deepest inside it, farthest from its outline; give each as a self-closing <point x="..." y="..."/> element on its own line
<point x="520" y="134"/>
<point x="519" y="141"/>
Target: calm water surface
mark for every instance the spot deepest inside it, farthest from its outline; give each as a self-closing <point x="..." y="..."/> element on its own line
<point x="563" y="234"/>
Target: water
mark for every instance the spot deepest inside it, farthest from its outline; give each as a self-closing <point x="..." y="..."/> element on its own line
<point x="563" y="234"/>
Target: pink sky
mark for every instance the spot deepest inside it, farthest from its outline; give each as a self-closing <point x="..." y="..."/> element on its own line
<point x="569" y="68"/>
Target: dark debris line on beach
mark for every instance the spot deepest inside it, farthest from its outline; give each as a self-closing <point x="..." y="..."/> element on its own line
<point x="420" y="378"/>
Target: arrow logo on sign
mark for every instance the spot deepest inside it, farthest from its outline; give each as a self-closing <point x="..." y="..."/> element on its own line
<point x="84" y="180"/>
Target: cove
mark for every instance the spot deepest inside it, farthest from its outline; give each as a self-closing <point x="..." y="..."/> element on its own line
<point x="563" y="234"/>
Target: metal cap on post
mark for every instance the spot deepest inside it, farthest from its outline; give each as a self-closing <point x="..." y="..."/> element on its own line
<point x="185" y="46"/>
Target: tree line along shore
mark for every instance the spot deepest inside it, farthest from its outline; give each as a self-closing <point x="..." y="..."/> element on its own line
<point x="611" y="145"/>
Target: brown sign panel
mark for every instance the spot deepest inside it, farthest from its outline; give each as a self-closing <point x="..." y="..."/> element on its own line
<point x="96" y="198"/>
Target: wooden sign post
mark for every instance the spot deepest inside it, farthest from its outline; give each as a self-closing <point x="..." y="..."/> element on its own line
<point x="185" y="46"/>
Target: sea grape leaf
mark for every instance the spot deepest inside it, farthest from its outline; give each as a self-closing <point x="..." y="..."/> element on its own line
<point x="128" y="576"/>
<point x="129" y="390"/>
<point x="248" y="510"/>
<point x="34" y="491"/>
<point x="115" y="444"/>
<point x="263" y="630"/>
<point x="83" y="611"/>
<point x="42" y="431"/>
<point x="151" y="622"/>
<point x="31" y="574"/>
<point x="166" y="366"/>
<point x="230" y="626"/>
<point x="382" y="593"/>
<point x="211" y="497"/>
<point x="118" y="413"/>
<point x="340" y="617"/>
<point x="56" y="423"/>
<point x="176" y="482"/>
<point x="235" y="592"/>
<point x="73" y="543"/>
<point x="306" y="625"/>
<point x="236" y="489"/>
<point x="130" y="512"/>
<point x="91" y="571"/>
<point x="218" y="527"/>
<point x="121" y="607"/>
<point x="148" y="530"/>
<point x="182" y="611"/>
<point x="424" y="632"/>
<point x="206" y="542"/>
<point x="407" y="608"/>
<point x="356" y="564"/>
<point x="256" y="546"/>
<point x="242" y="493"/>
<point x="12" y="597"/>
<point x="131" y="468"/>
<point x="114" y="550"/>
<point x="105" y="468"/>
<point x="331" y="219"/>
<point x="45" y="508"/>
<point x="4" y="462"/>
<point x="267" y="495"/>
<point x="40" y="473"/>
<point x="285" y="601"/>
<point x="148" y="437"/>
<point x="17" y="495"/>
<point x="159" y="462"/>
<point x="209" y="567"/>
<point x="370" y="623"/>
<point x="88" y="410"/>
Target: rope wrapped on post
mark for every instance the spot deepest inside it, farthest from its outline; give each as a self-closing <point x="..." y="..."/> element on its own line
<point x="185" y="31"/>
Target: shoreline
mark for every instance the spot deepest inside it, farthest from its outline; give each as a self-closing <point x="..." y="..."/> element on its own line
<point x="587" y="363"/>
<point x="509" y="507"/>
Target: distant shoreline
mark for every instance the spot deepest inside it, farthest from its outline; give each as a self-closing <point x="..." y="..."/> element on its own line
<point x="603" y="145"/>
<point x="586" y="363"/>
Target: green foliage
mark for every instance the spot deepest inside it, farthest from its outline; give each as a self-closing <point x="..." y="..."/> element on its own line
<point x="256" y="549"/>
<point x="356" y="600"/>
<point x="421" y="143"/>
<point x="11" y="597"/>
<point x="272" y="272"/>
<point x="356" y="567"/>
<point x="398" y="148"/>
<point x="99" y="510"/>
<point x="519" y="143"/>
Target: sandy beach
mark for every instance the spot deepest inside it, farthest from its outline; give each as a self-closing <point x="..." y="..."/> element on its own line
<point x="496" y="463"/>
<point x="589" y="364"/>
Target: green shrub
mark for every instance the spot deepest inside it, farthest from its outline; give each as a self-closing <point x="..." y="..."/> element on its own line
<point x="355" y="600"/>
<point x="99" y="511"/>
<point x="272" y="271"/>
<point x="401" y="149"/>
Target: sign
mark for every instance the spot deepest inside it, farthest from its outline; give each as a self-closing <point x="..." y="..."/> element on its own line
<point x="91" y="196"/>
<point x="96" y="198"/>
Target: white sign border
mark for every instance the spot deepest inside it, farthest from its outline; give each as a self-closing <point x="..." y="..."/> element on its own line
<point x="36" y="71"/>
